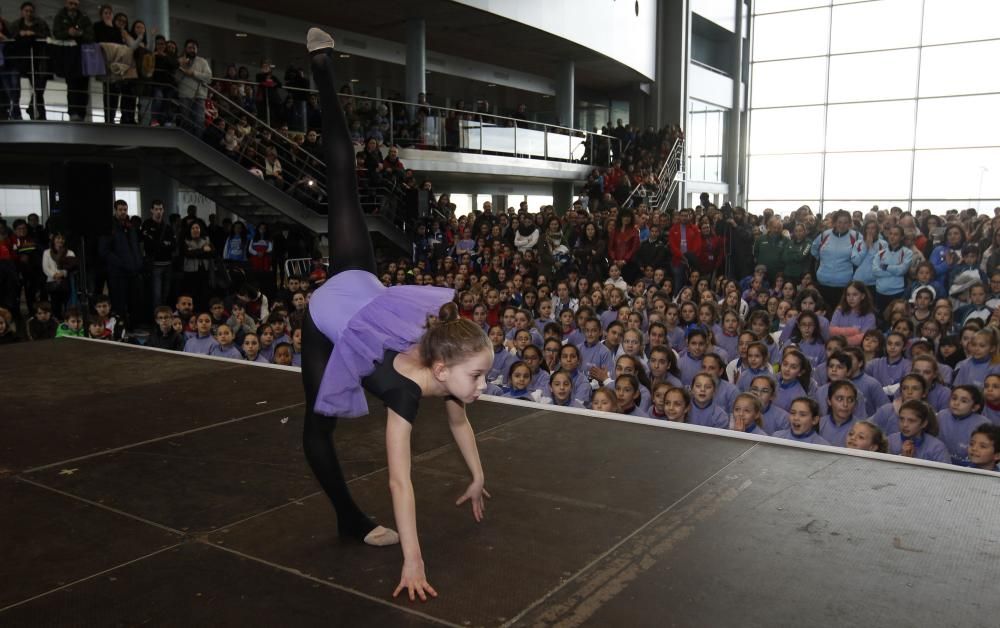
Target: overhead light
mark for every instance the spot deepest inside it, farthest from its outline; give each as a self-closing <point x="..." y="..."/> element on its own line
<point x="344" y="55"/>
<point x="242" y="35"/>
<point x="355" y="80"/>
<point x="546" y="96"/>
<point x="491" y="85"/>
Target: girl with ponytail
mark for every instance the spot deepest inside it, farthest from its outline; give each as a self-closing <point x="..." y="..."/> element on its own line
<point x="361" y="335"/>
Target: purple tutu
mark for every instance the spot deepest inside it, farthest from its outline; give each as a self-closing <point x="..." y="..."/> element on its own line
<point x="364" y="319"/>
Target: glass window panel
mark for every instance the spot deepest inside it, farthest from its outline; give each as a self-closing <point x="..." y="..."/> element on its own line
<point x="960" y="69"/>
<point x="967" y="174"/>
<point x="781" y="208"/>
<point x="18" y="202"/>
<point x="870" y="126"/>
<point x="939" y="208"/>
<point x="962" y="121"/>
<point x="785" y="176"/>
<point x="463" y="204"/>
<point x="794" y="130"/>
<point x="960" y="20"/>
<point x="875" y="25"/>
<point x="873" y="76"/>
<point x="771" y="6"/>
<point x="867" y="175"/>
<point x="863" y="205"/>
<point x="535" y="203"/>
<point x="794" y="34"/>
<point x="130" y="196"/>
<point x="798" y="82"/>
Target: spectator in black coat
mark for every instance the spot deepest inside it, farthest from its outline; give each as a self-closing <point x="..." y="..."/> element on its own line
<point x="123" y="256"/>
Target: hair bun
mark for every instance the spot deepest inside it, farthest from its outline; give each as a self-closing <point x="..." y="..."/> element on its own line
<point x="448" y="312"/>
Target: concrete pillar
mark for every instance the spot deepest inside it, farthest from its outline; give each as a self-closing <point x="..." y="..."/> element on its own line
<point x="562" y="196"/>
<point x="156" y="15"/>
<point x="499" y="203"/>
<point x="673" y="55"/>
<point x="416" y="59"/>
<point x="566" y="93"/>
<point x="733" y="148"/>
<point x="157" y="186"/>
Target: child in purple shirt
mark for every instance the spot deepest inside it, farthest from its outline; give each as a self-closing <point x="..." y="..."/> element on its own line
<point x="224" y="346"/>
<point x="960" y="420"/>
<point x="794" y="379"/>
<point x="890" y="369"/>
<point x="842" y="399"/>
<point x="803" y="419"/>
<point x="912" y="439"/>
<point x="703" y="409"/>
<point x="981" y="361"/>
<point x="203" y="341"/>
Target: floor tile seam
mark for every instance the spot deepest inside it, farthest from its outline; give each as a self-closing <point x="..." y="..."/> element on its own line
<point x="333" y="585"/>
<point x="382" y="469"/>
<point x="159" y="438"/>
<point x="548" y="595"/>
<point x="105" y="507"/>
<point x="91" y="576"/>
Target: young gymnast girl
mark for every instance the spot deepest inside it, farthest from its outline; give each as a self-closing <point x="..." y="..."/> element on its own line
<point x="358" y="335"/>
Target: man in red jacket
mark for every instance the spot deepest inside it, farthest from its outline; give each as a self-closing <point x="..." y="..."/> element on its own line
<point x="685" y="247"/>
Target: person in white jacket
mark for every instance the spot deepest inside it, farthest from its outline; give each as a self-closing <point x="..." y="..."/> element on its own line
<point x="527" y="235"/>
<point x="192" y="87"/>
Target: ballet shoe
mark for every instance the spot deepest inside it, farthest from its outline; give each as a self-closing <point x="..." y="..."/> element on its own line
<point x="381" y="537"/>
<point x="318" y="39"/>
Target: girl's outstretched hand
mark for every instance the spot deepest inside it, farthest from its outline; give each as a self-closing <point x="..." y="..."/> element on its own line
<point x="415" y="582"/>
<point x="476" y="493"/>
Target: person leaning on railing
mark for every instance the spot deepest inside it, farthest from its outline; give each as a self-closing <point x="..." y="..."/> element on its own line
<point x="192" y="76"/>
<point x="31" y="54"/>
<point x="70" y="28"/>
<point x="164" y="85"/>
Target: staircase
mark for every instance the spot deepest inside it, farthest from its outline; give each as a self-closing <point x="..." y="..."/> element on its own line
<point x="192" y="162"/>
<point x="667" y="182"/>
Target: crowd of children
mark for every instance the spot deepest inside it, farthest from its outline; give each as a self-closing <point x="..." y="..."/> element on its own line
<point x="919" y="377"/>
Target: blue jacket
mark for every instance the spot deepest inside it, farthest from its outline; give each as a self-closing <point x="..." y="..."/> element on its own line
<point x="120" y="250"/>
<point x="834" y="254"/>
<point x="890" y="268"/>
<point x="861" y="257"/>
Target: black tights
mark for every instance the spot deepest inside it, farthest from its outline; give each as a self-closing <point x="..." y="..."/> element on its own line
<point x="350" y="249"/>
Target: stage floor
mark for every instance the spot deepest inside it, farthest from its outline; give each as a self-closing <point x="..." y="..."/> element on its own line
<point x="140" y="487"/>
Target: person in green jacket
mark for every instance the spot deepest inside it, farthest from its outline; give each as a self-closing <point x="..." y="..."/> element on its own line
<point x="72" y="325"/>
<point x="797" y="259"/>
<point x="769" y="249"/>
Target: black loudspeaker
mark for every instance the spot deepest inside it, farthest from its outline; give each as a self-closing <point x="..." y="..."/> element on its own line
<point x="81" y="199"/>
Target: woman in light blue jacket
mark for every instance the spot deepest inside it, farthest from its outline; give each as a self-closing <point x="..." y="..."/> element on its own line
<point x="890" y="265"/>
<point x="833" y="249"/>
<point x="861" y="254"/>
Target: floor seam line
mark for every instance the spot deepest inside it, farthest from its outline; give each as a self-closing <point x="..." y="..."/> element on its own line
<point x="620" y="543"/>
<point x="105" y="507"/>
<point x="90" y="577"/>
<point x="332" y="585"/>
<point x="416" y="458"/>
<point x="160" y="438"/>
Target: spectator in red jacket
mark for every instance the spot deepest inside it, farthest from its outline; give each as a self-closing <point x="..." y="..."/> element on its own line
<point x="685" y="248"/>
<point x="713" y="253"/>
<point x="623" y="244"/>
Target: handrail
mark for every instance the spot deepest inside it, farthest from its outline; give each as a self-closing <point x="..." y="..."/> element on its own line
<point x="571" y="130"/>
<point x="660" y="176"/>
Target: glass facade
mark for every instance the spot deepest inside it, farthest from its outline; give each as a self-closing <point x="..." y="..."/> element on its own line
<point x="705" y="139"/>
<point x="862" y="102"/>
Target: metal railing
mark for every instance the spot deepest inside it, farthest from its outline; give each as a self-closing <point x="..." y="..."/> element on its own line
<point x="665" y="180"/>
<point x="423" y="126"/>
